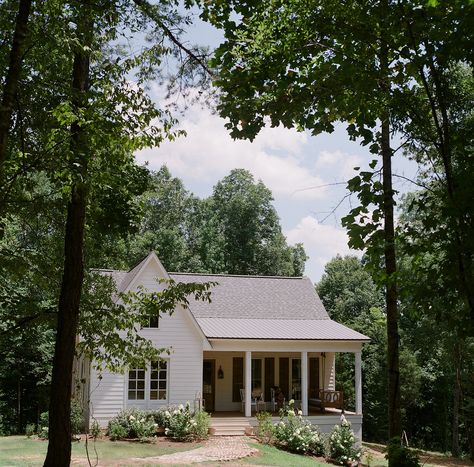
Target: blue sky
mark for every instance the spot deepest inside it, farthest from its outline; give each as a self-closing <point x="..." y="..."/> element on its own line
<point x="295" y="166"/>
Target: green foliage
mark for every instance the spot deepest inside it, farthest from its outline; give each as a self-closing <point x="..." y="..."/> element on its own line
<point x="180" y="423"/>
<point x="201" y="426"/>
<point x="30" y="430"/>
<point x="401" y="456"/>
<point x="236" y="230"/>
<point x="117" y="431"/>
<point x="295" y="433"/>
<point x="342" y="449"/>
<point x="95" y="430"/>
<point x="43" y="426"/>
<point x="77" y="417"/>
<point x="265" y="427"/>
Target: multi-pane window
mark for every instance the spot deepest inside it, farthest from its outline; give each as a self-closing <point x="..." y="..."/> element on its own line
<point x="158" y="380"/>
<point x="150" y="383"/>
<point x="257" y="383"/>
<point x="136" y="384"/>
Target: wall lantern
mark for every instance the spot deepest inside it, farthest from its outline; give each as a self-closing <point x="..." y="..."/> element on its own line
<point x="220" y="373"/>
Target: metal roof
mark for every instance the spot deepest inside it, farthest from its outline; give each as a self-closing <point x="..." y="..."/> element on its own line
<point x="297" y="329"/>
<point x="256" y="307"/>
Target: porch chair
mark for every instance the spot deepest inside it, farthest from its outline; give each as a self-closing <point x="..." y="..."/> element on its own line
<point x="277" y="400"/>
<point x="255" y="401"/>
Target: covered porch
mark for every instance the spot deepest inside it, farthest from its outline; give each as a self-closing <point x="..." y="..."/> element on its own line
<point x="298" y="370"/>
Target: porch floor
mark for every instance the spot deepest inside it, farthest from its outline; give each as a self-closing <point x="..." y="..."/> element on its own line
<point x="329" y="412"/>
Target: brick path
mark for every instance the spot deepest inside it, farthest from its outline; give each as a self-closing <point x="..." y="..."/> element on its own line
<point x="219" y="448"/>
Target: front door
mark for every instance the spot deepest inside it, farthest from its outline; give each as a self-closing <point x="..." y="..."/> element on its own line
<point x="208" y="384"/>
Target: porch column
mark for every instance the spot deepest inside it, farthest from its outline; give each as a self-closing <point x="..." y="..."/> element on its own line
<point x="358" y="382"/>
<point x="248" y="383"/>
<point x="304" y="382"/>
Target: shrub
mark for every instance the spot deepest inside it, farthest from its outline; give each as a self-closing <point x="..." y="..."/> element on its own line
<point x="77" y="417"/>
<point x="160" y="417"/>
<point x="295" y="433"/>
<point x="30" y="430"/>
<point x="43" y="426"/>
<point x="342" y="449"/>
<point x="201" y="428"/>
<point x="117" y="431"/>
<point x="134" y="423"/>
<point x="95" y="430"/>
<point x="401" y="456"/>
<point x="265" y="427"/>
<point x="180" y="423"/>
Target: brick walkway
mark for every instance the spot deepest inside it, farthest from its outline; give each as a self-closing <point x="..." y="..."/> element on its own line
<point x="219" y="448"/>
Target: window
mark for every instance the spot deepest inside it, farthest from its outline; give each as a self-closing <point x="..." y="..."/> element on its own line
<point x="136" y="384"/>
<point x="257" y="379"/>
<point x="158" y="380"/>
<point x="153" y="322"/>
<point x="237" y="378"/>
<point x="296" y="378"/>
<point x="149" y="384"/>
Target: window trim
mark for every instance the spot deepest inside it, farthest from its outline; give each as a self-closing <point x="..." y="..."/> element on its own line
<point x="147" y="402"/>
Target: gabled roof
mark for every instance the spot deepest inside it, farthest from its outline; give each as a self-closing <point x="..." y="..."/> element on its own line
<point x="254" y="307"/>
<point x="258" y="297"/>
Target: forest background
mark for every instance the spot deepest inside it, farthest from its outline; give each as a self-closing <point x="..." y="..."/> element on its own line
<point x="73" y="198"/>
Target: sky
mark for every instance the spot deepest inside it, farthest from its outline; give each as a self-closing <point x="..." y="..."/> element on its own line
<point x="305" y="173"/>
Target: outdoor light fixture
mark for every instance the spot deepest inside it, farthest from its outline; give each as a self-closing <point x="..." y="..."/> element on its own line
<point x="220" y="373"/>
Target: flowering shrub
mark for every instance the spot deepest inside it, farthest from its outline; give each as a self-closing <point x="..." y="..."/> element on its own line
<point x="180" y="423"/>
<point x="296" y="433"/>
<point x="341" y="444"/>
<point x="132" y="423"/>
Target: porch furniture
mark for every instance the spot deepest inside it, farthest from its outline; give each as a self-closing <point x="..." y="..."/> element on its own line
<point x="277" y="399"/>
<point x="257" y="402"/>
<point x="325" y="398"/>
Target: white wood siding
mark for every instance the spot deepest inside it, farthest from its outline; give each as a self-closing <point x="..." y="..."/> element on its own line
<point x="330" y="368"/>
<point x="176" y="332"/>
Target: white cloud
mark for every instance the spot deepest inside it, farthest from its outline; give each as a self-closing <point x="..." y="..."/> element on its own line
<point x="321" y="242"/>
<point x="339" y="161"/>
<point x="208" y="153"/>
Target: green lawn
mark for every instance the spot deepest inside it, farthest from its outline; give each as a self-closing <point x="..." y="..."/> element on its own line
<point x="20" y="451"/>
<point x="270" y="455"/>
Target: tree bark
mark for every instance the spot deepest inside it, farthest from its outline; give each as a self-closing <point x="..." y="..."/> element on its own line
<point x="59" y="447"/>
<point x="394" y="418"/>
<point x="13" y="77"/>
<point x="391" y="295"/>
<point x="456" y="401"/>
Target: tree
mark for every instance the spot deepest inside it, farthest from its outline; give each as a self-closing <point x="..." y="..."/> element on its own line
<point x="246" y="224"/>
<point x="308" y="65"/>
<point x="236" y="230"/>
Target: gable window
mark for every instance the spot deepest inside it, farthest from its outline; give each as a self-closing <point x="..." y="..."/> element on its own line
<point x="153" y="322"/>
<point x="136" y="384"/>
<point x="148" y="385"/>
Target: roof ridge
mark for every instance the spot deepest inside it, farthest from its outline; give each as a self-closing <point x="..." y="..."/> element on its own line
<point x="255" y="276"/>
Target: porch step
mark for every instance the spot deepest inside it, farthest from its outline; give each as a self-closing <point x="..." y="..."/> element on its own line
<point x="230" y="426"/>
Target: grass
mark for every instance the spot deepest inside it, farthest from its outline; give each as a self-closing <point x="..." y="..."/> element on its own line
<point x="21" y="451"/>
<point x="270" y="455"/>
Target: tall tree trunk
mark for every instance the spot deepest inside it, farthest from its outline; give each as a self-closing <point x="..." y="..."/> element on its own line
<point x="13" y="77"/>
<point x="59" y="447"/>
<point x="393" y="359"/>
<point x="394" y="417"/>
<point x="456" y="400"/>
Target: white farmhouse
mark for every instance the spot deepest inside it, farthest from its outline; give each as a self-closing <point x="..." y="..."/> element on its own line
<point x="270" y="335"/>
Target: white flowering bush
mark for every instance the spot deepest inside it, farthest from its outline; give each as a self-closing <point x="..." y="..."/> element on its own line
<point x="183" y="425"/>
<point x="297" y="434"/>
<point x="132" y="423"/>
<point x="342" y="449"/>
